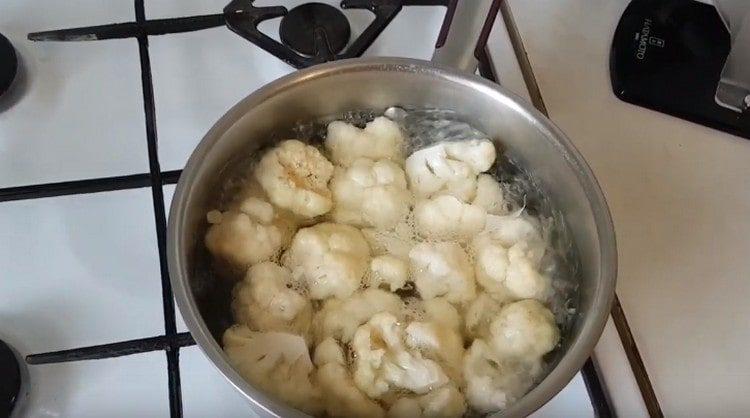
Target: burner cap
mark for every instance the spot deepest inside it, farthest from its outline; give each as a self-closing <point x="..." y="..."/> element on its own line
<point x="10" y="380"/>
<point x="8" y="64"/>
<point x="297" y="29"/>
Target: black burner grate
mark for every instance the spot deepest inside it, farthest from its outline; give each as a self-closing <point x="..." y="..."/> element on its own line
<point x="172" y="341"/>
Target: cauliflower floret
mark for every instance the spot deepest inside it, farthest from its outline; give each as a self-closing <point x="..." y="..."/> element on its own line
<point x="479" y="314"/>
<point x="491" y="384"/>
<point x="370" y="193"/>
<point x="330" y="258"/>
<point x="382" y="362"/>
<point x="341" y="396"/>
<point x="490" y="196"/>
<point x="523" y="279"/>
<point x="507" y="254"/>
<point x="241" y="239"/>
<point x="511" y="229"/>
<point x="442" y="269"/>
<point x="295" y="177"/>
<point x="445" y="217"/>
<point x="328" y="351"/>
<point x="275" y="362"/>
<point x="263" y="301"/>
<point x="380" y="139"/>
<point x="406" y="407"/>
<point x="524" y="330"/>
<point x="390" y="271"/>
<point x="397" y="241"/>
<point x="257" y="209"/>
<point x="438" y="337"/>
<point x="449" y="168"/>
<point x="341" y="318"/>
<point x="444" y="402"/>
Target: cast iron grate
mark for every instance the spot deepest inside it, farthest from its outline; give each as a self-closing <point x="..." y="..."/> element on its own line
<point x="155" y="179"/>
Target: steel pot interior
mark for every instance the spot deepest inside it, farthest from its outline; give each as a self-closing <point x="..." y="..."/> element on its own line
<point x="379" y="83"/>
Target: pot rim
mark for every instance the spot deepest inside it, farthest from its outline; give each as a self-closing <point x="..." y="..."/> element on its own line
<point x="572" y="359"/>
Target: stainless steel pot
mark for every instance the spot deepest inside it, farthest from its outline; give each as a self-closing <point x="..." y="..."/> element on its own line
<point x="528" y="136"/>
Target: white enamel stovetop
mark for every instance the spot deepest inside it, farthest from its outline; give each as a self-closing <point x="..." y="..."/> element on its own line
<point x="83" y="270"/>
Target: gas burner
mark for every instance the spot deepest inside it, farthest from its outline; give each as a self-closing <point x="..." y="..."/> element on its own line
<point x="10" y="378"/>
<point x="315" y="28"/>
<point x="8" y="66"/>
<point x="311" y="33"/>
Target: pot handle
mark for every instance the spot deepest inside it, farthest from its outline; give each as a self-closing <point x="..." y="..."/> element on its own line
<point x="463" y="36"/>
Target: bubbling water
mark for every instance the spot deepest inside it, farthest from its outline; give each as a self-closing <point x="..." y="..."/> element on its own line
<point x="422" y="128"/>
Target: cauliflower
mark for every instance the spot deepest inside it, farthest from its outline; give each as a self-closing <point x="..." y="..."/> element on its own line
<point x="342" y="398"/>
<point x="380" y="139"/>
<point x="524" y="330"/>
<point x="479" y="314"/>
<point x="341" y="318"/>
<point x="511" y="229"/>
<point x="275" y="362"/>
<point x="330" y="258"/>
<point x="263" y="301"/>
<point x="382" y="363"/>
<point x="370" y="193"/>
<point x="243" y="238"/>
<point x="397" y="241"/>
<point x="438" y="337"/>
<point x="490" y="196"/>
<point x="444" y="402"/>
<point x="390" y="271"/>
<point x="295" y="177"/>
<point x="491" y="383"/>
<point x="445" y="217"/>
<point x="449" y="168"/>
<point x="507" y="259"/>
<point x="442" y="269"/>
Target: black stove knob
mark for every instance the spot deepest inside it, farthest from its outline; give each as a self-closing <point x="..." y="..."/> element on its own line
<point x="8" y="64"/>
<point x="10" y="380"/>
<point x="301" y="25"/>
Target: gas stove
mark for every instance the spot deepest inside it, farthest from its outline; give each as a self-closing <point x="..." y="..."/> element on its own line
<point x="93" y="134"/>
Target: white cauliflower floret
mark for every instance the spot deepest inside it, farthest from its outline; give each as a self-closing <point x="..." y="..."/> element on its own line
<point x="370" y="193"/>
<point x="523" y="279"/>
<point x="257" y="209"/>
<point x="295" y="177"/>
<point x="507" y="254"/>
<point x="407" y="407"/>
<point x="341" y="396"/>
<point x="390" y="271"/>
<point x="275" y="362"/>
<point x="241" y="240"/>
<point x="524" y="330"/>
<point x="512" y="229"/>
<point x="383" y="363"/>
<point x="438" y="337"/>
<point x="442" y="269"/>
<point x="380" y="139"/>
<point x="445" y="217"/>
<point x="449" y="168"/>
<point x="479" y="315"/>
<point x="490" y="196"/>
<point x="328" y="351"/>
<point x="341" y="318"/>
<point x="444" y="402"/>
<point x="330" y="258"/>
<point x="263" y="301"/>
<point x="491" y="383"/>
<point x="397" y="241"/>
<point x="479" y="154"/>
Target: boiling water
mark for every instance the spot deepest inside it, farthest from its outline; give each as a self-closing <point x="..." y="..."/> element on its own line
<point x="424" y="127"/>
